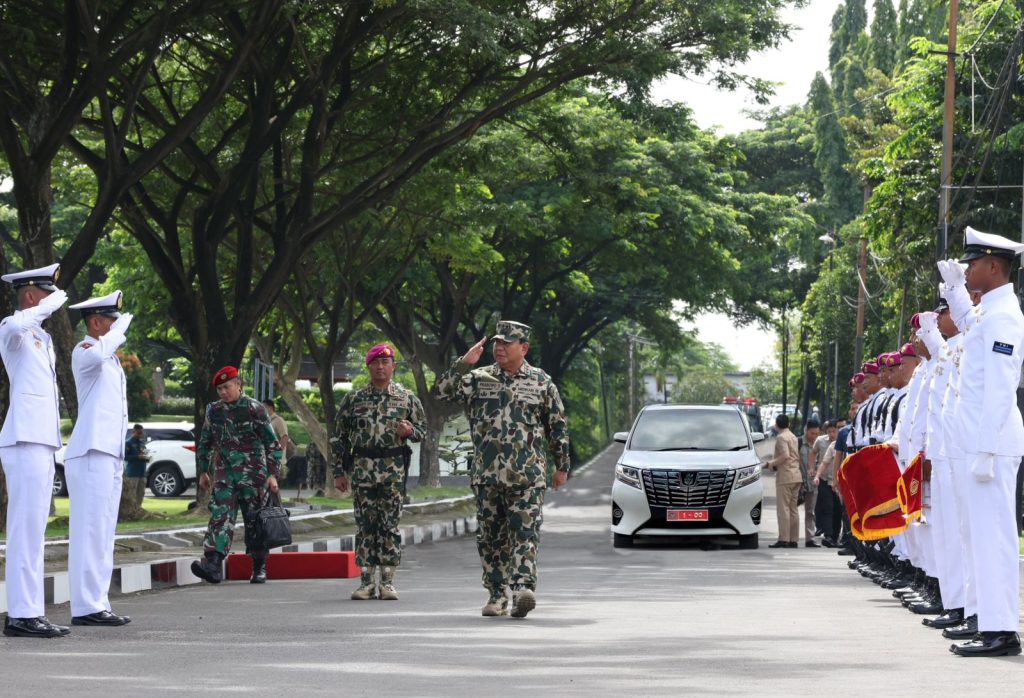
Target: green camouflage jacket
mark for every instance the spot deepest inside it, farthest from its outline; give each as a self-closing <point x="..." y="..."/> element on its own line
<point x="236" y="436"/>
<point x="367" y="419"/>
<point x="510" y="418"/>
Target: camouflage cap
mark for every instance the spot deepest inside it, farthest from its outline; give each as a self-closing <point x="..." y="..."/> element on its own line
<point x="511" y="331"/>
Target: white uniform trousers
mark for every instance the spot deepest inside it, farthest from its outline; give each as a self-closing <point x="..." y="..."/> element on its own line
<point x="994" y="546"/>
<point x="94" y="486"/>
<point x="29" y="471"/>
<point x="922" y="532"/>
<point x="961" y="481"/>
<point x="946" y="543"/>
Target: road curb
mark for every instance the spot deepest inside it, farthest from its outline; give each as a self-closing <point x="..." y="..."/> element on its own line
<point x="176" y="572"/>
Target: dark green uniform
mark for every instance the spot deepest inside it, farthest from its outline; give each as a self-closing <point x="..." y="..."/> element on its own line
<point x="239" y="451"/>
<point x="367" y="450"/>
<point x="513" y="420"/>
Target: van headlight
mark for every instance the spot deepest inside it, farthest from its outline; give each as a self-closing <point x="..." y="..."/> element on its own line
<point x="745" y="476"/>
<point x="627" y="475"/>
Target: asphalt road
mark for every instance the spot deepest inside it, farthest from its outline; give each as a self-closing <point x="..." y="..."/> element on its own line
<point x="665" y="620"/>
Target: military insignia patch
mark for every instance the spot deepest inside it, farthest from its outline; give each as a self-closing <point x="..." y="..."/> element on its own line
<point x="1003" y="348"/>
<point x="86" y="345"/>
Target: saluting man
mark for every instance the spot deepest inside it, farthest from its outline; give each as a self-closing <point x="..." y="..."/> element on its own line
<point x="374" y="426"/>
<point x="30" y="435"/>
<point x="514" y="409"/>
<point x="988" y="426"/>
<point x="93" y="462"/>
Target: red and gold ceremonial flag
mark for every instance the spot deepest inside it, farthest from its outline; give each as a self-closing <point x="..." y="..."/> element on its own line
<point x="869" y="476"/>
<point x="910" y="488"/>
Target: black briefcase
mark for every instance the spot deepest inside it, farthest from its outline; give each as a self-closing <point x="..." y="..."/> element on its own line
<point x="269" y="526"/>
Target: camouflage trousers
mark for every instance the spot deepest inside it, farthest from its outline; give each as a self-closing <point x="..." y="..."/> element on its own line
<point x="508" y="534"/>
<point x="232" y="490"/>
<point x="378" y="510"/>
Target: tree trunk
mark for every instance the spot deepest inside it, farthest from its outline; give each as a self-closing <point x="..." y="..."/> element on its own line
<point x="437" y="413"/>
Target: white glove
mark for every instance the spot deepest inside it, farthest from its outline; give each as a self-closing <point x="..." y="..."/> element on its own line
<point x="983" y="467"/>
<point x="928" y="320"/>
<point x="952" y="272"/>
<point x="121" y="323"/>
<point x="52" y="302"/>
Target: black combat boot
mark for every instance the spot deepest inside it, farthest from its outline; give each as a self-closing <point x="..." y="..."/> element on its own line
<point x="210" y="569"/>
<point x="259" y="569"/>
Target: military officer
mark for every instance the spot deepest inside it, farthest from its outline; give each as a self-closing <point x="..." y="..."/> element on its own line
<point x="513" y="410"/>
<point x="30" y="435"/>
<point x="988" y="426"/>
<point x="93" y="461"/>
<point x="239" y="452"/>
<point x="371" y="453"/>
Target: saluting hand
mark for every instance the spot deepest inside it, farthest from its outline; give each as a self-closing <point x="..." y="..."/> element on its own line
<point x="929" y="320"/>
<point x="121" y="323"/>
<point x="53" y="301"/>
<point x="952" y="272"/>
<point x="475" y="352"/>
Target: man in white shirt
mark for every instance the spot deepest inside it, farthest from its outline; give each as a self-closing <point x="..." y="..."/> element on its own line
<point x="94" y="459"/>
<point x="30" y="435"/>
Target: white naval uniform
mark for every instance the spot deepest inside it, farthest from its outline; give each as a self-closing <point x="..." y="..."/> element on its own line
<point x="860" y="433"/>
<point x="944" y="518"/>
<point x="94" y="469"/>
<point x="30" y="435"/>
<point x="989" y="428"/>
<point x="909" y="436"/>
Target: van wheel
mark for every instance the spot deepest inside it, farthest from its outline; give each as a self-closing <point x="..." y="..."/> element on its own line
<point x="621" y="541"/>
<point x="166" y="481"/>
<point x="748" y="542"/>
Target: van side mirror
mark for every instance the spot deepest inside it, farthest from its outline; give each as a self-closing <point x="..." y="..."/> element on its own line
<point x="757" y="436"/>
<point x="620" y="436"/>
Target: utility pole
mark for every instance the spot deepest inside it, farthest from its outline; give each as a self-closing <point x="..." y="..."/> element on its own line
<point x="946" y="172"/>
<point x="633" y="371"/>
<point x="862" y="270"/>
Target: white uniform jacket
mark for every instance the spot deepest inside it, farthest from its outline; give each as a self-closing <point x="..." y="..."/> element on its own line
<point x="987" y="419"/>
<point x="27" y="352"/>
<point x="102" y="397"/>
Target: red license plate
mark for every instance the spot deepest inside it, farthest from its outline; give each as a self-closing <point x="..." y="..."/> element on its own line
<point x="687" y="515"/>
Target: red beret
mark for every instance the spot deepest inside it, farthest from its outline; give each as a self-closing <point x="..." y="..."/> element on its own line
<point x="384" y="350"/>
<point x="224" y="375"/>
<point x="915" y="321"/>
<point x="908" y="350"/>
<point x="870" y="368"/>
<point x="893" y="359"/>
<point x="858" y="378"/>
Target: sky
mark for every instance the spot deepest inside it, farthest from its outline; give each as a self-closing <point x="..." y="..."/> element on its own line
<point x="792" y="66"/>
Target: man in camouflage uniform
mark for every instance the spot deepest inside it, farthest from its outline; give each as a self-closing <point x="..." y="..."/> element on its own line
<point x="239" y="449"/>
<point x="316" y="470"/>
<point x="513" y="409"/>
<point x="374" y="426"/>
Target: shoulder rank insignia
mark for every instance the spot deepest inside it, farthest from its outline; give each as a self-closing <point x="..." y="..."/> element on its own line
<point x="1003" y="348"/>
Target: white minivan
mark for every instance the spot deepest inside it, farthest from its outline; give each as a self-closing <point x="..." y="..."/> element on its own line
<point x="688" y="470"/>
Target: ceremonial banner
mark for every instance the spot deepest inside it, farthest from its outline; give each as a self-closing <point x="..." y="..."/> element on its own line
<point x="869" y="478"/>
<point x="910" y="488"/>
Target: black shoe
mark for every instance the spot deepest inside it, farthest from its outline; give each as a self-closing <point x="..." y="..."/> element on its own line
<point x="33" y="627"/>
<point x="210" y="568"/>
<point x="1001" y="643"/>
<point x="101" y="618"/>
<point x="928" y="607"/>
<point x="846" y="552"/>
<point x="779" y="544"/>
<point x="829" y="543"/>
<point x="259" y="571"/>
<point x="964" y="631"/>
<point x="950" y="617"/>
<point x="811" y="544"/>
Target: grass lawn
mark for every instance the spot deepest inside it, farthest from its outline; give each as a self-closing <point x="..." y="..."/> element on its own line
<point x="172" y="513"/>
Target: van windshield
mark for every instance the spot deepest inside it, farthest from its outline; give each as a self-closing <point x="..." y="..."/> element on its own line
<point x="689" y="430"/>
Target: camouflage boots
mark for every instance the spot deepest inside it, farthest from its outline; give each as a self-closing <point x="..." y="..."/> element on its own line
<point x="387" y="584"/>
<point x="497" y="605"/>
<point x="367" y="587"/>
<point x="523" y="602"/>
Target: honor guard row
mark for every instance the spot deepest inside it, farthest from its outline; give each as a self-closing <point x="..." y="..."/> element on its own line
<point x="929" y="478"/>
<point x="93" y="466"/>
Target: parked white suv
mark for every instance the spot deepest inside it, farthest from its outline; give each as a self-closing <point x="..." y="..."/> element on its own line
<point x="688" y="470"/>
<point x="172" y="465"/>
